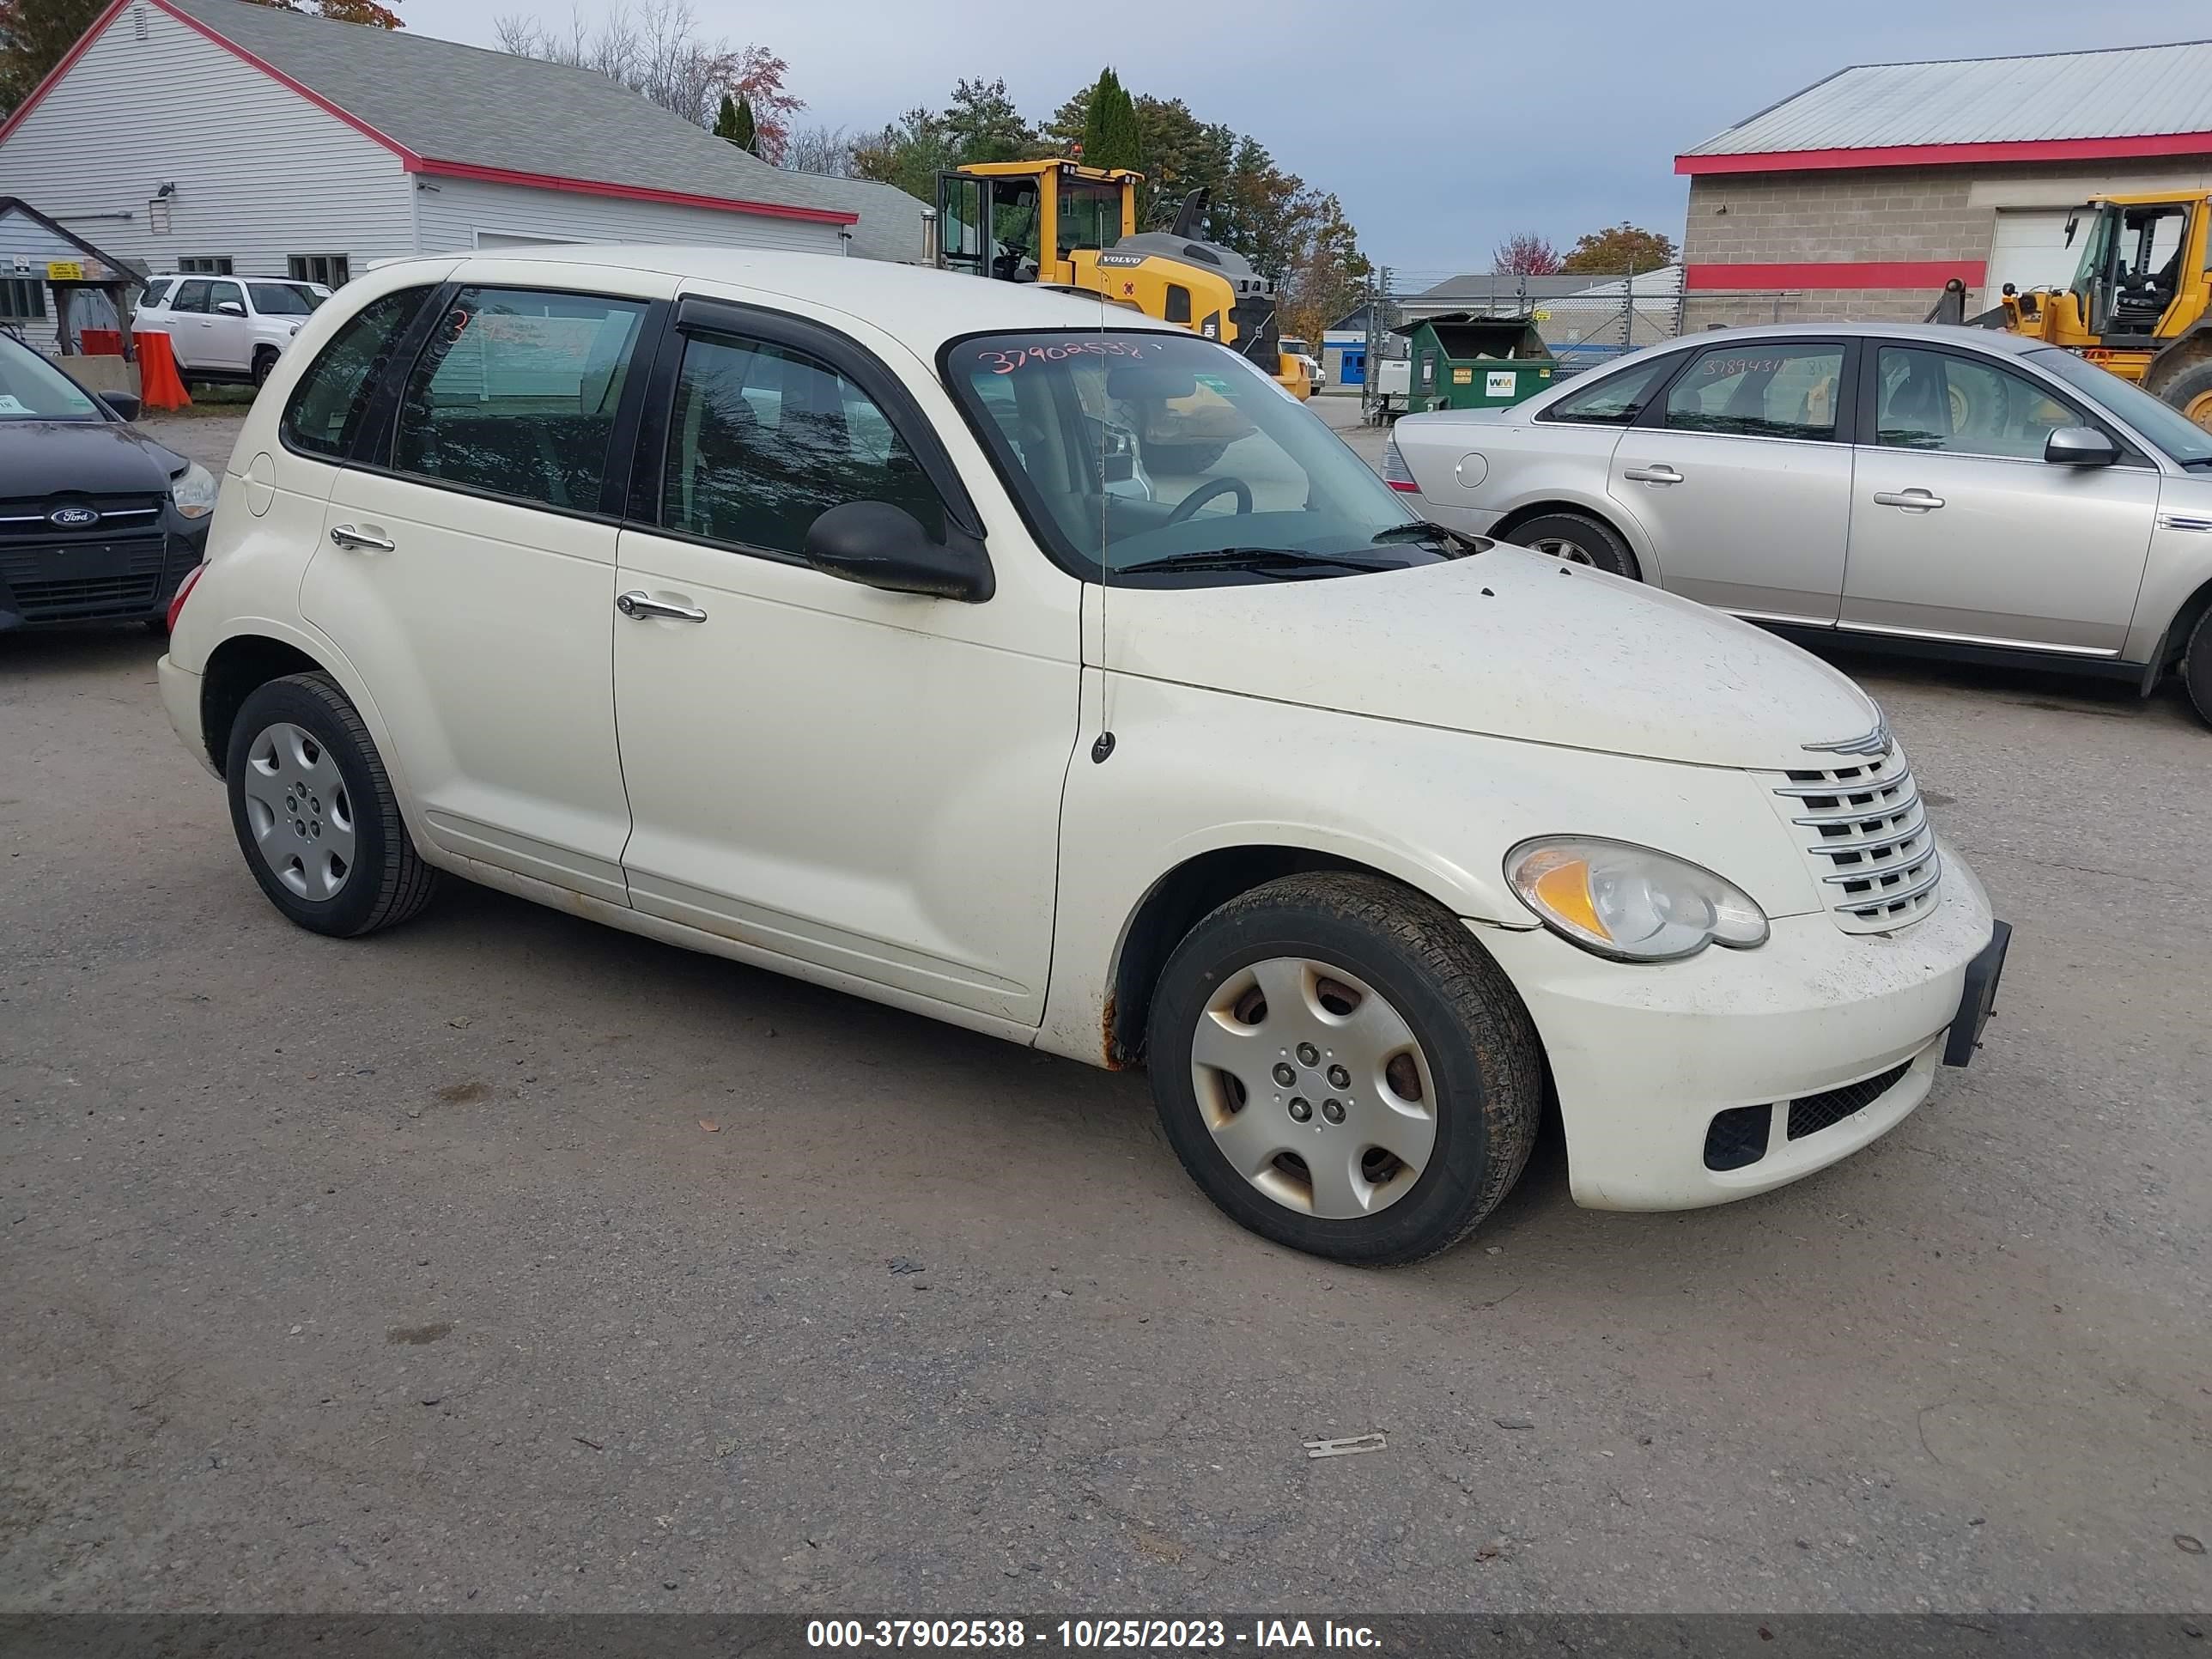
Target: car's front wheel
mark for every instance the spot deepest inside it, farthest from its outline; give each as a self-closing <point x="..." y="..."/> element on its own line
<point x="1343" y="1069"/>
<point x="2197" y="667"/>
<point x="1578" y="539"/>
<point x="315" y="812"/>
<point x="265" y="364"/>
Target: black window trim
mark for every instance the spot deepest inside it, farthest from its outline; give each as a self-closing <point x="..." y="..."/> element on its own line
<point x="377" y="412"/>
<point x="1869" y="377"/>
<point x="372" y="445"/>
<point x="1653" y="415"/>
<point x="703" y="316"/>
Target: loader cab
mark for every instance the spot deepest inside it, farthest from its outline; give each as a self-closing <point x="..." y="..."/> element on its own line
<point x="1022" y="221"/>
<point x="2137" y="258"/>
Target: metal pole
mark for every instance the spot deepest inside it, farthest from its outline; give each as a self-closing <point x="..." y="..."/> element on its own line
<point x="1628" y="310"/>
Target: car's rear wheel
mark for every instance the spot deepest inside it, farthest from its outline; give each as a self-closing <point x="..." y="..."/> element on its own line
<point x="1579" y="540"/>
<point x="2196" y="667"/>
<point x="315" y="813"/>
<point x="1343" y="1070"/>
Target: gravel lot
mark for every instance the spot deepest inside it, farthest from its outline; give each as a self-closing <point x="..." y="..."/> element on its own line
<point x="505" y="1262"/>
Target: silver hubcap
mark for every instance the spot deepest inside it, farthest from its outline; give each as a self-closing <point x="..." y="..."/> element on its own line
<point x="300" y="812"/>
<point x="1558" y="548"/>
<point x="1314" y="1088"/>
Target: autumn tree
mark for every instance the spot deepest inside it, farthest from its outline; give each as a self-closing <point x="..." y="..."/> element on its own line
<point x="656" y="49"/>
<point x="366" y="13"/>
<point x="34" y="36"/>
<point x="1620" y="250"/>
<point x="1111" y="136"/>
<point x="824" y="149"/>
<point x="1525" y="254"/>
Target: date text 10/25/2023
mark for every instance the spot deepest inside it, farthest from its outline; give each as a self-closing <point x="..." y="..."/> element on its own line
<point x="1141" y="1635"/>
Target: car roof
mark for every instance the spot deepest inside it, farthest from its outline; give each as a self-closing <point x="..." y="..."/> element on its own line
<point x="1951" y="334"/>
<point x="921" y="304"/>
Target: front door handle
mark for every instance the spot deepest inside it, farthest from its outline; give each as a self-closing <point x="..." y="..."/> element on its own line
<point x="1658" y="473"/>
<point x="1912" y="500"/>
<point x="641" y="607"/>
<point x="346" y="535"/>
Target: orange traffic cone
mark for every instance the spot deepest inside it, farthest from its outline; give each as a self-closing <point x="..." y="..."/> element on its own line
<point x="158" y="385"/>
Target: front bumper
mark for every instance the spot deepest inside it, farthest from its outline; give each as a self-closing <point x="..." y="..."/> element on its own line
<point x="1643" y="1057"/>
<point x="128" y="579"/>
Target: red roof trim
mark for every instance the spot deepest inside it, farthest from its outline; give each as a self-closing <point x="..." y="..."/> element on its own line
<point x="92" y="33"/>
<point x="1875" y="273"/>
<point x="282" y="79"/>
<point x="626" y="192"/>
<point x="1925" y="155"/>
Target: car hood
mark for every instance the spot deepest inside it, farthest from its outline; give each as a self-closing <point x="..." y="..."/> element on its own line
<point x="1508" y="643"/>
<point x="90" y="457"/>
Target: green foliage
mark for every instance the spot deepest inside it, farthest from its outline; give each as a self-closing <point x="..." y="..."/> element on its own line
<point x="1620" y="249"/>
<point x="734" y="124"/>
<point x="34" y="36"/>
<point x="980" y="124"/>
<point x="1111" y="135"/>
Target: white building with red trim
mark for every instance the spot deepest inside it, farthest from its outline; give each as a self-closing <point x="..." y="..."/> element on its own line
<point x="1862" y="195"/>
<point x="219" y="135"/>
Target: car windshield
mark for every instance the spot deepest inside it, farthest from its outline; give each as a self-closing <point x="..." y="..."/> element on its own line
<point x="283" y="299"/>
<point x="33" y="389"/>
<point x="1129" y="450"/>
<point x="2181" y="438"/>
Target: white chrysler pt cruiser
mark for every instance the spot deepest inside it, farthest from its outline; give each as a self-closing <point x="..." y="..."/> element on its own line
<point x="1004" y="657"/>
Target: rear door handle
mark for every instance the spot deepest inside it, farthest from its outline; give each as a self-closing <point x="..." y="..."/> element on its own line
<point x="1659" y="473"/>
<point x="346" y="535"/>
<point x="641" y="606"/>
<point x="1912" y="500"/>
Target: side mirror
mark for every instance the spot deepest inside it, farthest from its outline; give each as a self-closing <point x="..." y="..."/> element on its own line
<point x="877" y="545"/>
<point x="124" y="405"/>
<point x="2080" y="445"/>
<point x="230" y="308"/>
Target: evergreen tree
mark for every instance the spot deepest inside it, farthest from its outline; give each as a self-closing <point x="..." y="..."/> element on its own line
<point x="1112" y="137"/>
<point x="734" y="124"/>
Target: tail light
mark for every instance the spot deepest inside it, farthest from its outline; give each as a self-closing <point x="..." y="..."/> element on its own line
<point x="184" y="592"/>
<point x="1395" y="472"/>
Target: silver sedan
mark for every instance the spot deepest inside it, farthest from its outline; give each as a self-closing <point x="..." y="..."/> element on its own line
<point x="1943" y="490"/>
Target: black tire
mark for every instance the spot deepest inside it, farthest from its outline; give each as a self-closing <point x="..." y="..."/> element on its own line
<point x="387" y="882"/>
<point x="2196" y="667"/>
<point x="1593" y="542"/>
<point x="1481" y="1050"/>
<point x="264" y="361"/>
<point x="2192" y="386"/>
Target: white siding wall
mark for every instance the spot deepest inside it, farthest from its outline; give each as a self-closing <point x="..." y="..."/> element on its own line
<point x="260" y="171"/>
<point x="454" y="210"/>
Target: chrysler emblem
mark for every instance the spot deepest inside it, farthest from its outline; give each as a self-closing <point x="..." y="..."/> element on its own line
<point x="1875" y="742"/>
<point x="72" y="518"/>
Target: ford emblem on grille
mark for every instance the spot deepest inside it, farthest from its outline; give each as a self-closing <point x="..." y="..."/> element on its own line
<point x="73" y="517"/>
<point x="1875" y="742"/>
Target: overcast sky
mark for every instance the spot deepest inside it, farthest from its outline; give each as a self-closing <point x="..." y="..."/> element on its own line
<point x="1442" y="127"/>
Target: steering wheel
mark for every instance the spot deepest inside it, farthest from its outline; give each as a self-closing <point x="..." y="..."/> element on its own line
<point x="1206" y="492"/>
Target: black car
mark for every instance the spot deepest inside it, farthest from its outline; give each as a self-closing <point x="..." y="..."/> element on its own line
<point x="98" y="522"/>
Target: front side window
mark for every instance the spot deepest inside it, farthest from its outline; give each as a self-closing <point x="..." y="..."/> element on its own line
<point x="2181" y="438"/>
<point x="1932" y="400"/>
<point x="764" y="438"/>
<point x="225" y="293"/>
<point x="323" y="416"/>
<point x="1760" y="389"/>
<point x="1136" y="450"/>
<point x="1616" y="399"/>
<point x="33" y="389"/>
<point x="515" y="395"/>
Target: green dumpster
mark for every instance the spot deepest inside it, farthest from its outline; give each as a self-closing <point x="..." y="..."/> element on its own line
<point x="1466" y="360"/>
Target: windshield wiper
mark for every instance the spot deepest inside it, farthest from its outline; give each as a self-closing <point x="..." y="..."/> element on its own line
<point x="1269" y="561"/>
<point x="1428" y="530"/>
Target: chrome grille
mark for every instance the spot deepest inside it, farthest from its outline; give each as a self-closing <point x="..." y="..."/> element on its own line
<point x="1869" y="840"/>
<point x="24" y="518"/>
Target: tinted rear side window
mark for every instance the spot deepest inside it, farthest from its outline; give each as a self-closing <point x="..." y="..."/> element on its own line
<point x="515" y="395"/>
<point x="324" y="414"/>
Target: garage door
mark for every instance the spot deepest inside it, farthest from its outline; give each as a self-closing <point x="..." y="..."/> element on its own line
<point x="2029" y="250"/>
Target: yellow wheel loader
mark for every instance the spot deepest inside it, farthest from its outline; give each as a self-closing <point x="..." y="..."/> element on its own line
<point x="2141" y="301"/>
<point x="1061" y="225"/>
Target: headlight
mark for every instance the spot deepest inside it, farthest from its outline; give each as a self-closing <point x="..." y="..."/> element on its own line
<point x="1630" y="903"/>
<point x="193" y="491"/>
